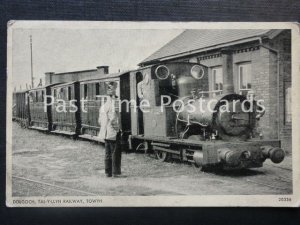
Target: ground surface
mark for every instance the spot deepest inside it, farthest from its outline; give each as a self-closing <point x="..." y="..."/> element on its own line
<point x="44" y="163"/>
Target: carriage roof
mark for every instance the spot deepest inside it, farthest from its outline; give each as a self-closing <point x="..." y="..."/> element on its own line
<point x="43" y="87"/>
<point x="105" y="77"/>
<point x="20" y="92"/>
<point x="63" y="84"/>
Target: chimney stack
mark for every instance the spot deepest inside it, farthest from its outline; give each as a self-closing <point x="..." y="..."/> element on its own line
<point x="103" y="69"/>
<point x="228" y="85"/>
<point x="48" y="78"/>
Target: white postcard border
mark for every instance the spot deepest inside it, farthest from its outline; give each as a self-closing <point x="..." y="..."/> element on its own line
<point x="141" y="201"/>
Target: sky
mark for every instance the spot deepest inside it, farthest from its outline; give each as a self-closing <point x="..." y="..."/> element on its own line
<point x="62" y="50"/>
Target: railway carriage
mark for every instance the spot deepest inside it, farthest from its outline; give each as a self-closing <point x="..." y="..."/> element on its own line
<point x="65" y="108"/>
<point x="40" y="113"/>
<point x="20" y="107"/>
<point x="92" y="95"/>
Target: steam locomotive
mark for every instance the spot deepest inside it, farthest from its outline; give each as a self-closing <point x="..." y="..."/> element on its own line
<point x="218" y="132"/>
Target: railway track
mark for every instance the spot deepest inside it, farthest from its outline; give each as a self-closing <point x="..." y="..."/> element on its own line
<point x="268" y="180"/>
<point x="273" y="182"/>
<point x="265" y="179"/>
<point x="55" y="186"/>
<point x="279" y="167"/>
<point x="267" y="184"/>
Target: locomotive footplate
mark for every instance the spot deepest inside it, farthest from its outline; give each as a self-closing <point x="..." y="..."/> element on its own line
<point x="228" y="155"/>
<point x="238" y="155"/>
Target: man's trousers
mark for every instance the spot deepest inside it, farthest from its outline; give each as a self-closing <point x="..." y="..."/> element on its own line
<point x="113" y="156"/>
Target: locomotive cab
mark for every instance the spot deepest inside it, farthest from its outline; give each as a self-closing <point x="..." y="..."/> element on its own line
<point x="161" y="87"/>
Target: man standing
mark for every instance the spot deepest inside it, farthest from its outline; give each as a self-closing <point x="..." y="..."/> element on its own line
<point x="110" y="132"/>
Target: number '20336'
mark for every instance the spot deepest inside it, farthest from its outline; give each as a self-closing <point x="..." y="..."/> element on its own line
<point x="285" y="199"/>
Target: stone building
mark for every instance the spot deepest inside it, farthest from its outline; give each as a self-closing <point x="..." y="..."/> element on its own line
<point x="258" y="60"/>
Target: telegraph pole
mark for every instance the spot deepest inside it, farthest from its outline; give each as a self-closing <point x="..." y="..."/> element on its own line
<point x="31" y="61"/>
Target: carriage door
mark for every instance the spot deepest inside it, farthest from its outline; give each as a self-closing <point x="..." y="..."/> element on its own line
<point x="139" y="79"/>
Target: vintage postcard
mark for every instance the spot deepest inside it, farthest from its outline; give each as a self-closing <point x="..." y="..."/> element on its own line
<point x="152" y="114"/>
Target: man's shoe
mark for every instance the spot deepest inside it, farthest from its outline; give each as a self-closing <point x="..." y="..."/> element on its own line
<point x="108" y="175"/>
<point x="118" y="176"/>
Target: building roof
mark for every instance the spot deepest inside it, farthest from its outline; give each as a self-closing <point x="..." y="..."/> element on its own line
<point x="197" y="40"/>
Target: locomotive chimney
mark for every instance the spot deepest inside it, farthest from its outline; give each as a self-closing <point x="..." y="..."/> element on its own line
<point x="103" y="69"/>
<point x="228" y="86"/>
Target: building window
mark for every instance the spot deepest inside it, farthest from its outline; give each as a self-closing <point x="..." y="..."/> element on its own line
<point x="245" y="78"/>
<point x="217" y="79"/>
<point x="288" y="103"/>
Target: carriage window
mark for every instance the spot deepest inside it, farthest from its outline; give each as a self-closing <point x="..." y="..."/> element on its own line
<point x="36" y="97"/>
<point x="245" y="78"/>
<point x="118" y="89"/>
<point x="69" y="93"/>
<point x="66" y="96"/>
<point x="54" y="93"/>
<point x="42" y="96"/>
<point x="85" y="91"/>
<point x="31" y="97"/>
<point x="64" y="93"/>
<point x="102" y="88"/>
<point x="60" y="93"/>
<point x="217" y="79"/>
<point x="97" y="89"/>
<point x="26" y="99"/>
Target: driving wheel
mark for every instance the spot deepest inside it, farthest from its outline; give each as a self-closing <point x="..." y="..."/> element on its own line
<point x="162" y="156"/>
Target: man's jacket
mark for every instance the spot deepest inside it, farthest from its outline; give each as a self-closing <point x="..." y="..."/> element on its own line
<point x="109" y="120"/>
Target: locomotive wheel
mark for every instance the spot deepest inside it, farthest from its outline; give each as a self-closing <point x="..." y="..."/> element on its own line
<point x="197" y="167"/>
<point x="162" y="156"/>
<point x="198" y="160"/>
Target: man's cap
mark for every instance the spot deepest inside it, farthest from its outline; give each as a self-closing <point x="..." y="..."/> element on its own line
<point x="112" y="84"/>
